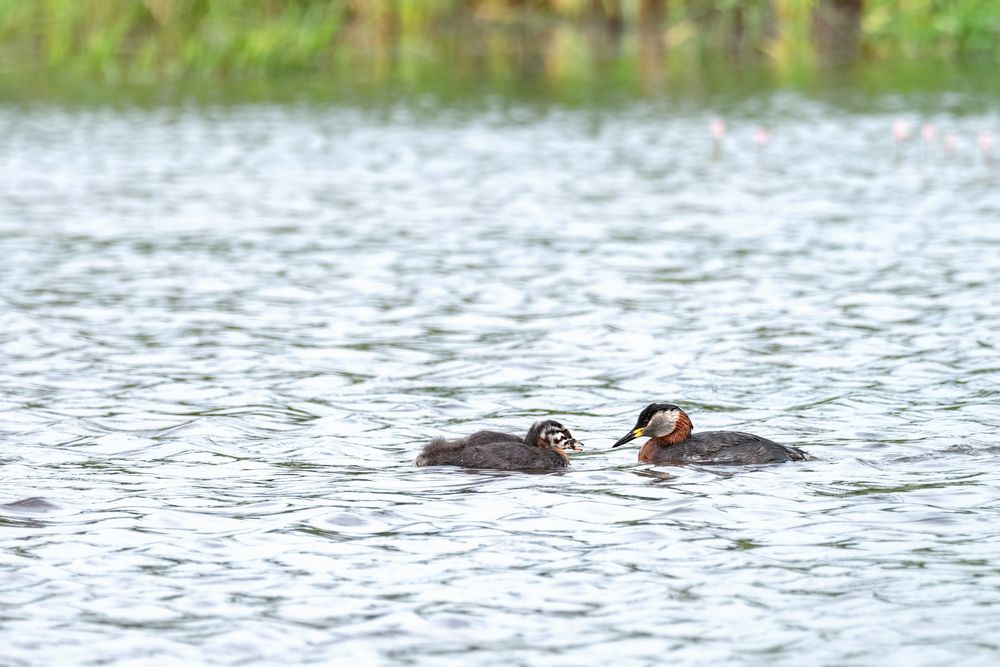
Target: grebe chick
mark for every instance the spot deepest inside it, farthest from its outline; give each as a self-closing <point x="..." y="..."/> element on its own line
<point x="671" y="441"/>
<point x="542" y="448"/>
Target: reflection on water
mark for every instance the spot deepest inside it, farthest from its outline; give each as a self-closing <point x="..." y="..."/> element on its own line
<point x="226" y="333"/>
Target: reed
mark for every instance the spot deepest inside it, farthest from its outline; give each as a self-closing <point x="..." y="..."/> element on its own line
<point x="395" y="40"/>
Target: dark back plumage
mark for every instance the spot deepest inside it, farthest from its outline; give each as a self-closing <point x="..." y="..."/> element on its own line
<point x="723" y="448"/>
<point x="541" y="448"/>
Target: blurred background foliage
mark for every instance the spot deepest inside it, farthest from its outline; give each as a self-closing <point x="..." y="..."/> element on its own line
<point x="570" y="45"/>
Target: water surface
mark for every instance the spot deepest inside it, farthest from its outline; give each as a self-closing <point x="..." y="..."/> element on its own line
<point x="226" y="331"/>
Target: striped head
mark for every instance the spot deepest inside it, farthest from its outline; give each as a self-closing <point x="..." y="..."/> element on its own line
<point x="551" y="434"/>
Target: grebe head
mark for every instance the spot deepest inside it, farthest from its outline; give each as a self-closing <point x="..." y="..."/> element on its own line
<point x="551" y="434"/>
<point x="658" y="420"/>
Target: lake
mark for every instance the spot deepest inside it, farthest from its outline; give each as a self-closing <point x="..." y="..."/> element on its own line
<point x="226" y="331"/>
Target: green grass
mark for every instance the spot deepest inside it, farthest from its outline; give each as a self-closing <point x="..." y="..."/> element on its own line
<point x="556" y="44"/>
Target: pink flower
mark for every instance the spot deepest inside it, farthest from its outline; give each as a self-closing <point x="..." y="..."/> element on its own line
<point x="717" y="128"/>
<point x="901" y="130"/>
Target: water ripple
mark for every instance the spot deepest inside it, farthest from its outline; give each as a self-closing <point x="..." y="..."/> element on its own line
<point x="226" y="333"/>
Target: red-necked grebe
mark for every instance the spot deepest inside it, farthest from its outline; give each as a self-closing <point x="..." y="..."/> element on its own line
<point x="671" y="441"/>
<point x="544" y="447"/>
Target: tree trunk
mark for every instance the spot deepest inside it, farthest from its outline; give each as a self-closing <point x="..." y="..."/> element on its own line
<point x="836" y="28"/>
<point x="652" y="14"/>
<point x="652" y="50"/>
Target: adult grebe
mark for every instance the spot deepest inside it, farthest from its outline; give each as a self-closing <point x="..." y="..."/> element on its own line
<point x="542" y="448"/>
<point x="671" y="442"/>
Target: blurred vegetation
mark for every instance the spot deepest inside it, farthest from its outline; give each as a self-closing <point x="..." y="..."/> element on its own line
<point x="410" y="43"/>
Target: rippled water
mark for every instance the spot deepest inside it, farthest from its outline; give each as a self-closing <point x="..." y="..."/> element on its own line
<point x="226" y="332"/>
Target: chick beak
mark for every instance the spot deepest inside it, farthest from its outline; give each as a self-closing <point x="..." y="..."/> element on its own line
<point x="573" y="446"/>
<point x="628" y="437"/>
